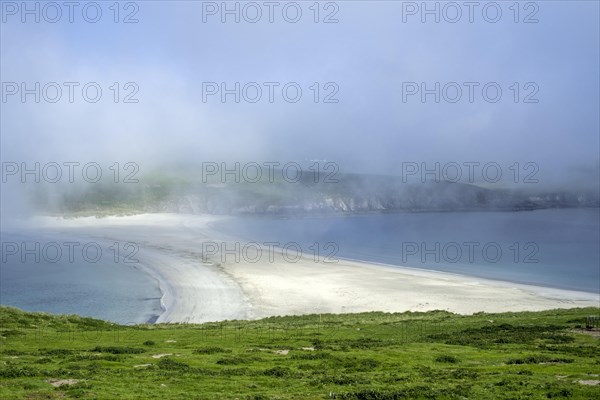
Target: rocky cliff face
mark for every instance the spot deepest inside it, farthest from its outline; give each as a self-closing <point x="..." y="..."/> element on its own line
<point x="352" y="194"/>
<point x="437" y="197"/>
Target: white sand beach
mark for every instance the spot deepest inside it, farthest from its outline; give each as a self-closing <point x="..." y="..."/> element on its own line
<point x="170" y="249"/>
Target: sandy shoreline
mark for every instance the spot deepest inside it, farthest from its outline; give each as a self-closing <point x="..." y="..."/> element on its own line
<point x="200" y="290"/>
<point x="193" y="291"/>
<point x="348" y="286"/>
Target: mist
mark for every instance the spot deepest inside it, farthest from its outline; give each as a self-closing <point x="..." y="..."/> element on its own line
<point x="363" y="121"/>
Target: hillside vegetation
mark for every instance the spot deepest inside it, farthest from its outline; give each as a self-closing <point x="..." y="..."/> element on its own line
<point x="186" y="191"/>
<point x="433" y="355"/>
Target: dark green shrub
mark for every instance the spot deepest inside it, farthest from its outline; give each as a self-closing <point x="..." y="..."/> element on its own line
<point x="539" y="359"/>
<point x="13" y="371"/>
<point x="117" y="350"/>
<point x="446" y="359"/>
<point x="278" y="372"/>
<point x="211" y="350"/>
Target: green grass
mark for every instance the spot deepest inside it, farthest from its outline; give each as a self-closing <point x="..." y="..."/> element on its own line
<point x="434" y="355"/>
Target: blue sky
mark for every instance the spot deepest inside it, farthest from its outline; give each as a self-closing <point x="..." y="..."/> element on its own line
<point x="368" y="54"/>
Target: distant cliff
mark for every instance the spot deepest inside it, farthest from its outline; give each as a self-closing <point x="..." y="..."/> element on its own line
<point x="350" y="194"/>
<point x="436" y="197"/>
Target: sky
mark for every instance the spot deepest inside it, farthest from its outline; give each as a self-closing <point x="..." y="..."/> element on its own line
<point x="367" y="65"/>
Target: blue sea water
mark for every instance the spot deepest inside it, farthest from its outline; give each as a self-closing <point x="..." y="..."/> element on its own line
<point x="555" y="248"/>
<point x="108" y="288"/>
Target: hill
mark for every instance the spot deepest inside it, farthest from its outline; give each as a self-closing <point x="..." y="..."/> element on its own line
<point x="186" y="190"/>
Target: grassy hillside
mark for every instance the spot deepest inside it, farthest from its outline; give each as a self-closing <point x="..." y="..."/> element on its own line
<point x="183" y="189"/>
<point x="535" y="355"/>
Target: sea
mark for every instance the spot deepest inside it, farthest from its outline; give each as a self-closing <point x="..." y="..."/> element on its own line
<point x="68" y="275"/>
<point x="558" y="248"/>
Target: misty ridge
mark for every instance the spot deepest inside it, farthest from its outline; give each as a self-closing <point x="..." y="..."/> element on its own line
<point x="183" y="189"/>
